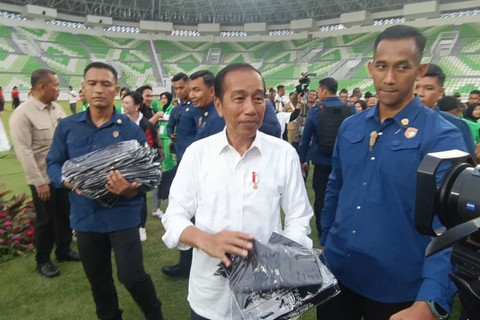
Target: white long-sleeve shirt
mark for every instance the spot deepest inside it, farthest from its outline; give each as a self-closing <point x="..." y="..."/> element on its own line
<point x="217" y="186"/>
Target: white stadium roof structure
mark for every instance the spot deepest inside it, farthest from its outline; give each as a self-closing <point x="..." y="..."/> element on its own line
<point x="148" y="41"/>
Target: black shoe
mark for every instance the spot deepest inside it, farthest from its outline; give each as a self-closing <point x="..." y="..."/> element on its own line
<point x="177" y="271"/>
<point x="70" y="256"/>
<point x="48" y="270"/>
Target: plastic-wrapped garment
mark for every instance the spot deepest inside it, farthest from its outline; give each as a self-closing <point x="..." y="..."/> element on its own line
<point x="279" y="280"/>
<point x="135" y="162"/>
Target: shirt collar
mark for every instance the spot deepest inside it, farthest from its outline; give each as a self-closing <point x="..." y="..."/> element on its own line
<point x="224" y="145"/>
<point x="39" y="104"/>
<point x="85" y="117"/>
<point x="404" y="117"/>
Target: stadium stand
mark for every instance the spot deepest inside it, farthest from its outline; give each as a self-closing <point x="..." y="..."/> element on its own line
<point x="344" y="57"/>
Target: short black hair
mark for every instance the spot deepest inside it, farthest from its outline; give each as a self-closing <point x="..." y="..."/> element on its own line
<point x="280" y="86"/>
<point x="39" y="76"/>
<point x="220" y="78"/>
<point x="125" y="88"/>
<point x="136" y="96"/>
<point x="448" y="103"/>
<point x="208" y="77"/>
<point x="290" y="94"/>
<point x="457" y="95"/>
<point x="101" y="65"/>
<point x="368" y="95"/>
<point x="143" y="88"/>
<point x="330" y="84"/>
<point x="271" y="90"/>
<point x="180" y="76"/>
<point x="402" y="31"/>
<point x="344" y="91"/>
<point x="435" y="71"/>
<point x="475" y="92"/>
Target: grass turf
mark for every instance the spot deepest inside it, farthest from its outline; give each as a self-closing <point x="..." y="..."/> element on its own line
<point x="25" y="295"/>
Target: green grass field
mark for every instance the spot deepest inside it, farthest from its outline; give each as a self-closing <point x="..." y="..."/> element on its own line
<point x="25" y="295"/>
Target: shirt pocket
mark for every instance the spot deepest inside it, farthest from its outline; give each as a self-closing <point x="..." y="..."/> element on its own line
<point x="351" y="144"/>
<point x="403" y="161"/>
<point x="43" y="133"/>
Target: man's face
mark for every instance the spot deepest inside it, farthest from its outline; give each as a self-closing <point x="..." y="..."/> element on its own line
<point x="242" y="104"/>
<point x="281" y="92"/>
<point x="473" y="98"/>
<point x="51" y="89"/>
<point x="82" y="97"/>
<point x="147" y="96"/>
<point x="100" y="88"/>
<point x="394" y="68"/>
<point x="343" y="96"/>
<point x="181" y="89"/>
<point x="200" y="94"/>
<point x="429" y="91"/>
<point x="353" y="99"/>
<point x="311" y="97"/>
<point x="371" y="102"/>
<point x="321" y="93"/>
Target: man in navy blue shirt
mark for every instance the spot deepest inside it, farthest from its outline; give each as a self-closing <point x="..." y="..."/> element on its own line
<point x="368" y="229"/>
<point x="308" y="150"/>
<point x="430" y="90"/>
<point x="101" y="229"/>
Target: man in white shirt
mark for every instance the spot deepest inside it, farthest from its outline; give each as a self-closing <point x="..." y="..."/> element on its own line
<point x="72" y="99"/>
<point x="234" y="183"/>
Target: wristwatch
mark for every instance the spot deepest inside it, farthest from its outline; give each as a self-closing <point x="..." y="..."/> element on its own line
<point x="437" y="311"/>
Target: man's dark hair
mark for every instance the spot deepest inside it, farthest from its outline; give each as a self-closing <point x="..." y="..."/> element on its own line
<point x="330" y="84"/>
<point x="281" y="86"/>
<point x="70" y="87"/>
<point x="208" y="77"/>
<point x="180" y="76"/>
<point x="368" y="95"/>
<point x="136" y="96"/>
<point x="457" y="95"/>
<point x="101" y="65"/>
<point x="290" y="94"/>
<point x="344" y="91"/>
<point x="449" y="103"/>
<point x="220" y="78"/>
<point x="356" y="90"/>
<point x="475" y="92"/>
<point x="39" y="76"/>
<point x="435" y="71"/>
<point x="143" y="88"/>
<point x="125" y="88"/>
<point x="271" y="90"/>
<point x="401" y="32"/>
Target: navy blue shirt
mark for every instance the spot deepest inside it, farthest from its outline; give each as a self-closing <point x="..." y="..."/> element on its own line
<point x="183" y="122"/>
<point x="77" y="135"/>
<point x="368" y="230"/>
<point x="464" y="129"/>
<point x="308" y="149"/>
<point x="208" y="122"/>
<point x="270" y="124"/>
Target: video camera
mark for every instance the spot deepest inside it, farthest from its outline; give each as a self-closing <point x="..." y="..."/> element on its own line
<point x="304" y="82"/>
<point x="456" y="202"/>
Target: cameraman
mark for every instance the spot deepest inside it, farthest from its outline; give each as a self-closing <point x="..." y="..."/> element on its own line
<point x="299" y="115"/>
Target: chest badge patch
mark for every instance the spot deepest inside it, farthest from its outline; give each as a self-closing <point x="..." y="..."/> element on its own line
<point x="404" y="122"/>
<point x="115" y="133"/>
<point x="411" y="132"/>
<point x="119" y="121"/>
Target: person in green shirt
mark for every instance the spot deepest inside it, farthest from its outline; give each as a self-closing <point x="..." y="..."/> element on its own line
<point x="170" y="160"/>
<point x="83" y="100"/>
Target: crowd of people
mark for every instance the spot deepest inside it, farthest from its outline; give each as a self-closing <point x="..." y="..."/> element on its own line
<point x="235" y="154"/>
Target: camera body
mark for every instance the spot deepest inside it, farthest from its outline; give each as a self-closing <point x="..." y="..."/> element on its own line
<point x="455" y="199"/>
<point x="304" y="81"/>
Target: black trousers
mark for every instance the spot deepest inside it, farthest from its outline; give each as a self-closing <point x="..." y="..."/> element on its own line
<point x="73" y="108"/>
<point x="52" y="224"/>
<point x="319" y="185"/>
<point x="349" y="305"/>
<point x="195" y="316"/>
<point x="95" y="251"/>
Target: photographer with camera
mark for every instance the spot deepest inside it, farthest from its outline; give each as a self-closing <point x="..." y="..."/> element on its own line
<point x="368" y="231"/>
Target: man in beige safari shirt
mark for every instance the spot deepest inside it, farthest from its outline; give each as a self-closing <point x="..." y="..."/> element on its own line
<point x="32" y="126"/>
